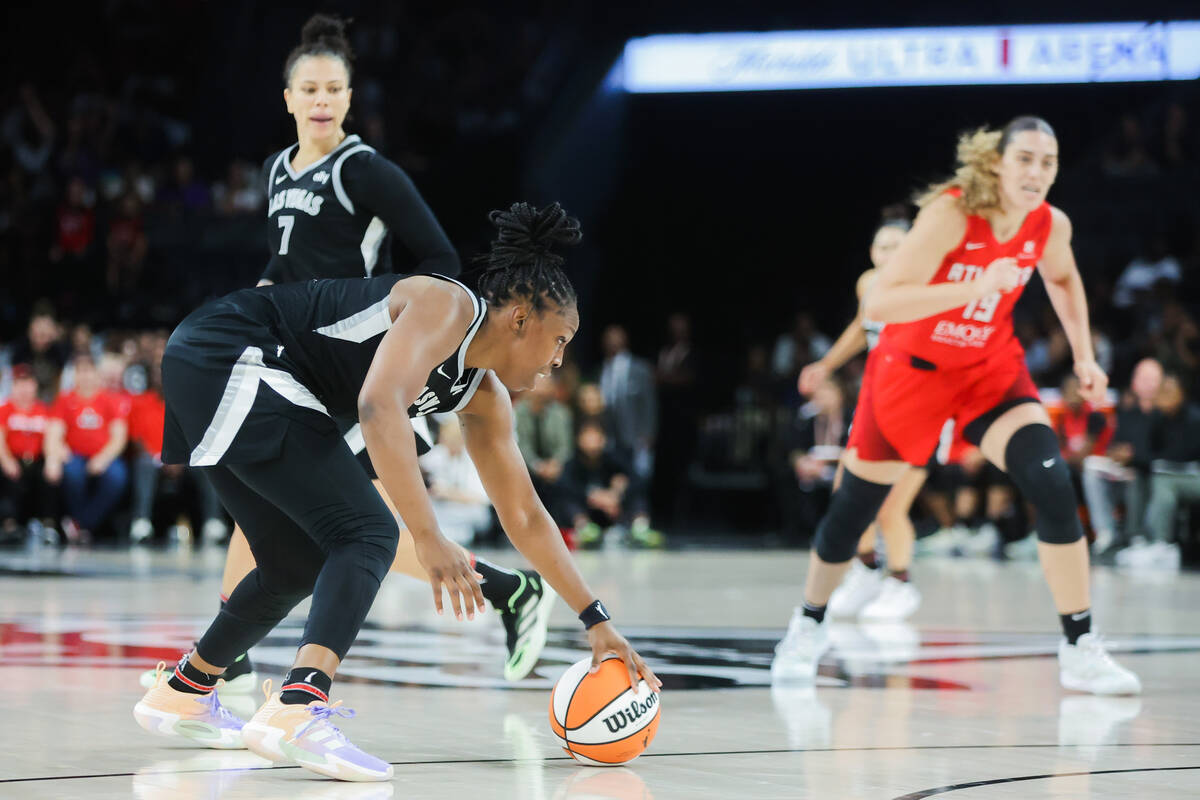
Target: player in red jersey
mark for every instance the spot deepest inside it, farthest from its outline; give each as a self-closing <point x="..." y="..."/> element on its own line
<point x="949" y="352"/>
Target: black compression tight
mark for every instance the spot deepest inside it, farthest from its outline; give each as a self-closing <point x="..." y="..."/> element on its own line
<point x="316" y="526"/>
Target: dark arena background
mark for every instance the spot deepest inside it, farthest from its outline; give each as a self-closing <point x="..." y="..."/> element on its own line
<point x="730" y="165"/>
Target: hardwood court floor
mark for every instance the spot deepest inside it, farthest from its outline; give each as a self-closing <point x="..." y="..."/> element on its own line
<point x="963" y="703"/>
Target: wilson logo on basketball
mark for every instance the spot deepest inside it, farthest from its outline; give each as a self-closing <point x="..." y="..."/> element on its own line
<point x="636" y="710"/>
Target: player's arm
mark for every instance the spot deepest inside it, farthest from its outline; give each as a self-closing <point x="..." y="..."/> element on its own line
<point x="273" y="270"/>
<point x="852" y="342"/>
<point x="390" y="194"/>
<point x="487" y="424"/>
<point x="1064" y="286"/>
<point x="430" y="323"/>
<point x="901" y="290"/>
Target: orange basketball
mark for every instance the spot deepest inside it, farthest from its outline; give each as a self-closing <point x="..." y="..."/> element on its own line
<point x="598" y="718"/>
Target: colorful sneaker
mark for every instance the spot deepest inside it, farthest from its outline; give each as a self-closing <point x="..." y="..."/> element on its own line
<point x="307" y="736"/>
<point x="1086" y="666"/>
<point x="525" y="620"/>
<point x="589" y="535"/>
<point x="200" y="718"/>
<point x="646" y="537"/>
<point x="239" y="678"/>
<point x="797" y="656"/>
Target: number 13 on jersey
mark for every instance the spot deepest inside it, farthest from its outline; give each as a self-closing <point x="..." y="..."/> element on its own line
<point x="286" y="222"/>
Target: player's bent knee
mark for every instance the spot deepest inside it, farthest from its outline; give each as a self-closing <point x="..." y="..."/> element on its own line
<point x="852" y="509"/>
<point x="1037" y="468"/>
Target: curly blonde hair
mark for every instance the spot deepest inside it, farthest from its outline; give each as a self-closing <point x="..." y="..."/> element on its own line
<point x="977" y="155"/>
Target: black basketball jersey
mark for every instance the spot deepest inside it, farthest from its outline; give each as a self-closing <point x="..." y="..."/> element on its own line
<point x="337" y="217"/>
<point x="237" y="370"/>
<point x="329" y="331"/>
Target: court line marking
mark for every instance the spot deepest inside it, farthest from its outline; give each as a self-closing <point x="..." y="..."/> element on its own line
<point x="955" y="787"/>
<point x="778" y="751"/>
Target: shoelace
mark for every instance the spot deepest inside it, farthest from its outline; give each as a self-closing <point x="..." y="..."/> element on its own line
<point x="321" y="715"/>
<point x="1099" y="646"/>
<point x="214" y="705"/>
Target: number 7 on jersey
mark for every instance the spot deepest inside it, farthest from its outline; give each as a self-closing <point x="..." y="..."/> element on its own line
<point x="286" y="222"/>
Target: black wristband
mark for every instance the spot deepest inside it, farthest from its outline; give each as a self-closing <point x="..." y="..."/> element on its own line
<point x="594" y="614"/>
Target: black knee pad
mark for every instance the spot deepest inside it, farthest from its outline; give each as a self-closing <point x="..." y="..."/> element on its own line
<point x="1037" y="468"/>
<point x="852" y="508"/>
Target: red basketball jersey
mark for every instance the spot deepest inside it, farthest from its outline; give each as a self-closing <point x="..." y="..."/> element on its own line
<point x="968" y="334"/>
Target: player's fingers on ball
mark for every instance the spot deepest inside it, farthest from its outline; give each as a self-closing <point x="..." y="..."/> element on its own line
<point x="648" y="674"/>
<point x="630" y="659"/>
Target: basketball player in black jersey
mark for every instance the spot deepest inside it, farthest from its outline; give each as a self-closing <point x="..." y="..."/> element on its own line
<point x="385" y="349"/>
<point x="334" y="207"/>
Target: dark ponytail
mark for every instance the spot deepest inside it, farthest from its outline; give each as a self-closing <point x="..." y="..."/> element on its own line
<point x="522" y="264"/>
<point x="322" y="35"/>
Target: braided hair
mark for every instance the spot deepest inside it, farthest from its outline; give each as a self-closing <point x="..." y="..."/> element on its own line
<point x="521" y="263"/>
<point x="322" y="35"/>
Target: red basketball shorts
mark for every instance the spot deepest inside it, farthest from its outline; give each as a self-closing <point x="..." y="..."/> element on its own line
<point x="905" y="401"/>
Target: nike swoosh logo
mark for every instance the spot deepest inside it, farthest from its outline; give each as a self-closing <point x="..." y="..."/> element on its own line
<point x="974" y="245"/>
<point x="310" y="676"/>
<point x="1081" y="616"/>
<point x="1048" y="463"/>
<point x="280" y="179"/>
<point x="442" y="373"/>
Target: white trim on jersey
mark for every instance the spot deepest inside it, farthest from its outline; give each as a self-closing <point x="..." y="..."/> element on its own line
<point x="237" y="400"/>
<point x="355" y="441"/>
<point x="480" y="313"/>
<point x="271" y="177"/>
<point x="470" y="392"/>
<point x="372" y="239"/>
<point x="287" y="162"/>
<point x="338" y="189"/>
<point x="360" y="326"/>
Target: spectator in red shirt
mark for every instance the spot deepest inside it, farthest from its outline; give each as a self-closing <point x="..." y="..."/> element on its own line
<point x="85" y="440"/>
<point x="24" y="492"/>
<point x="146" y="414"/>
<point x="1082" y="431"/>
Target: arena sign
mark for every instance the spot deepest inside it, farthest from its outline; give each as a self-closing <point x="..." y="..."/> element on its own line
<point x="1076" y="53"/>
<point x="685" y="658"/>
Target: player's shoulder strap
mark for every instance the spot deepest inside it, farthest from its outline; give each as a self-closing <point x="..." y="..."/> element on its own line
<point x="272" y="166"/>
<point x="339" y="188"/>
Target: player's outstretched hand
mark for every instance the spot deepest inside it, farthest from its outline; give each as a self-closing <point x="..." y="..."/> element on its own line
<point x="812" y="376"/>
<point x="1002" y="275"/>
<point x="448" y="566"/>
<point x="604" y="639"/>
<point x="1093" y="383"/>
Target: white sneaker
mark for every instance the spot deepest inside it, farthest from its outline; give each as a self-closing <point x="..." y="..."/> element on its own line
<point x="1165" y="555"/>
<point x="140" y="530"/>
<point x="1022" y="549"/>
<point x="983" y="543"/>
<point x="944" y="542"/>
<point x="214" y="531"/>
<point x="860" y="586"/>
<point x="896" y="600"/>
<point x="1086" y="666"/>
<point x="1137" y="554"/>
<point x="1104" y="540"/>
<point x="796" y="657"/>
